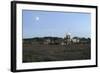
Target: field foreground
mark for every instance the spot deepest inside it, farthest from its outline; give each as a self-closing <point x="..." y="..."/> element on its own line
<point x="42" y="53"/>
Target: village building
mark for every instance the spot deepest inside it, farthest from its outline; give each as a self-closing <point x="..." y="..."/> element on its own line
<point x="52" y="40"/>
<point x="75" y="40"/>
<point x="67" y="39"/>
<point x="47" y="41"/>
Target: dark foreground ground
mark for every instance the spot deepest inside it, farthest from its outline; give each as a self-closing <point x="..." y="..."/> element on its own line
<point x="42" y="53"/>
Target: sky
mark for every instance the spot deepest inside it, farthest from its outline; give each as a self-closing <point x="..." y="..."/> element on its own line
<point x="55" y="24"/>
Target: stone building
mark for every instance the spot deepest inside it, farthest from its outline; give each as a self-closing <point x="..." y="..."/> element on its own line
<point x="67" y="39"/>
<point x="75" y="40"/>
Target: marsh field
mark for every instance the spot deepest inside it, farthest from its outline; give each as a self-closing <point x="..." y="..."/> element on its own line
<point x="45" y="53"/>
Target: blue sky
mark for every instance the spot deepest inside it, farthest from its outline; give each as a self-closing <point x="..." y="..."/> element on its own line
<point x="57" y="24"/>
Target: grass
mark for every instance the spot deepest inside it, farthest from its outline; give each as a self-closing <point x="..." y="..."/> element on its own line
<point x="42" y="53"/>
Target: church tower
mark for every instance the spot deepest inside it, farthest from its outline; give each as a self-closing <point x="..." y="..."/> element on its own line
<point x="67" y="38"/>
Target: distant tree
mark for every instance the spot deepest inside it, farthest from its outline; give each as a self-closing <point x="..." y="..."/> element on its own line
<point x="89" y="40"/>
<point x="85" y="40"/>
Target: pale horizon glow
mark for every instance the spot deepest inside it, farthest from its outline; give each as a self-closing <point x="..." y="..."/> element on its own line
<point x="55" y="24"/>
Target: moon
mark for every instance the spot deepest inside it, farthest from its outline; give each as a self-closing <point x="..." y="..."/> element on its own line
<point x="37" y="18"/>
